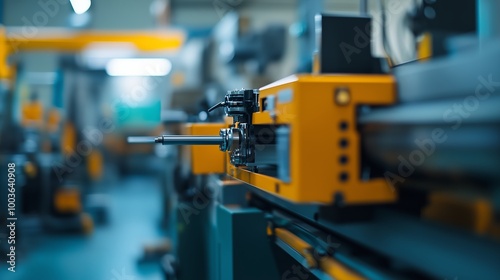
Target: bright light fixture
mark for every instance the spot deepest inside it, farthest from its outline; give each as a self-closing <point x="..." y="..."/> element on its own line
<point x="80" y="6"/>
<point x="152" y="67"/>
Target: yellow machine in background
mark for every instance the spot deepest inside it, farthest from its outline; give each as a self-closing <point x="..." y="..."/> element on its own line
<point x="41" y="122"/>
<point x="32" y="113"/>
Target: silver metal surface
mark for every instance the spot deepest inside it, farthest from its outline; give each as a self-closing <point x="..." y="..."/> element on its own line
<point x="455" y="76"/>
<point x="140" y="140"/>
<point x="283" y="153"/>
<point x="363" y="7"/>
<point x="224" y="134"/>
<point x="488" y="20"/>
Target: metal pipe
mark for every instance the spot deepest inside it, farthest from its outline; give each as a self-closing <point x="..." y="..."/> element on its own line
<point x="177" y="140"/>
<point x="488" y="20"/>
<point x="141" y="140"/>
<point x="363" y="7"/>
<point x="189" y="140"/>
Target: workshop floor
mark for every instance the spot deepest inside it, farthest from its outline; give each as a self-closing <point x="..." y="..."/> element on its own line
<point x="111" y="252"/>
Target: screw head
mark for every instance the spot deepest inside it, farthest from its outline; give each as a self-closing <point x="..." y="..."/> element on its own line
<point x="342" y="96"/>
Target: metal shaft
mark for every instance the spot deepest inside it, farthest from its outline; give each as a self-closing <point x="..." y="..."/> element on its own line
<point x="141" y="140"/>
<point x="177" y="140"/>
<point x="189" y="140"/>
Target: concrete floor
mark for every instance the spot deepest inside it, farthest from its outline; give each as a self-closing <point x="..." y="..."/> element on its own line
<point x="111" y="252"/>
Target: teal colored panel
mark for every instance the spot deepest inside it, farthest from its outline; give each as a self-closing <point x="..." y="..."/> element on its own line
<point x="144" y="116"/>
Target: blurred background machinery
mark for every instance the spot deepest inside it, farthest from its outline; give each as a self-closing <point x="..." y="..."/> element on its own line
<point x="305" y="139"/>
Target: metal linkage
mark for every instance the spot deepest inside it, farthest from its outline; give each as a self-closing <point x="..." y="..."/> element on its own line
<point x="240" y="104"/>
<point x="238" y="139"/>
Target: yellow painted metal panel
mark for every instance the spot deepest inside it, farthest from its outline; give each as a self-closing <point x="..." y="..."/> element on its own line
<point x="67" y="200"/>
<point x="32" y="114"/>
<point x="205" y="159"/>
<point x="327" y="264"/>
<point x="425" y="47"/>
<point x="317" y="142"/>
<point x="338" y="271"/>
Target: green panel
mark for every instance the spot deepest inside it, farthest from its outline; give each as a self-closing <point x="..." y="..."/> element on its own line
<point x="245" y="249"/>
<point x="191" y="239"/>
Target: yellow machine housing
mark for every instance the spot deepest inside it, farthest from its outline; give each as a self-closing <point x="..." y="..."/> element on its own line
<point x="204" y="159"/>
<point x="32" y="114"/>
<point x="325" y="159"/>
<point x="67" y="200"/>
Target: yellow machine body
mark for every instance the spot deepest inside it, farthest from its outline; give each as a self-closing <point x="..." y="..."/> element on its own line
<point x="425" y="47"/>
<point x="204" y="159"/>
<point x="32" y="114"/>
<point x="95" y="165"/>
<point x="67" y="200"/>
<point x="320" y="111"/>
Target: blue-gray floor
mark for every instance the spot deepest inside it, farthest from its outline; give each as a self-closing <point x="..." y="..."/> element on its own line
<point x="111" y="252"/>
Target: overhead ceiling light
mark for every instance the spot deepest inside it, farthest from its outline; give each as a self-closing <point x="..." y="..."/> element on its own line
<point x="152" y="67"/>
<point x="80" y="6"/>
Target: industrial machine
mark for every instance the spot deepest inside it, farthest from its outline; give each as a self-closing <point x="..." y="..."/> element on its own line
<point x="207" y="65"/>
<point x="45" y="141"/>
<point x="354" y="171"/>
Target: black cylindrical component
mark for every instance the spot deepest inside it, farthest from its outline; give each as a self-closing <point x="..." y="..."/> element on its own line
<point x="188" y="140"/>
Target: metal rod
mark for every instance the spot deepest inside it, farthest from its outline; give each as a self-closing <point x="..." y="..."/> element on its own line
<point x="487" y="20"/>
<point x="177" y="140"/>
<point x="141" y="140"/>
<point x="363" y="7"/>
<point x="189" y="140"/>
